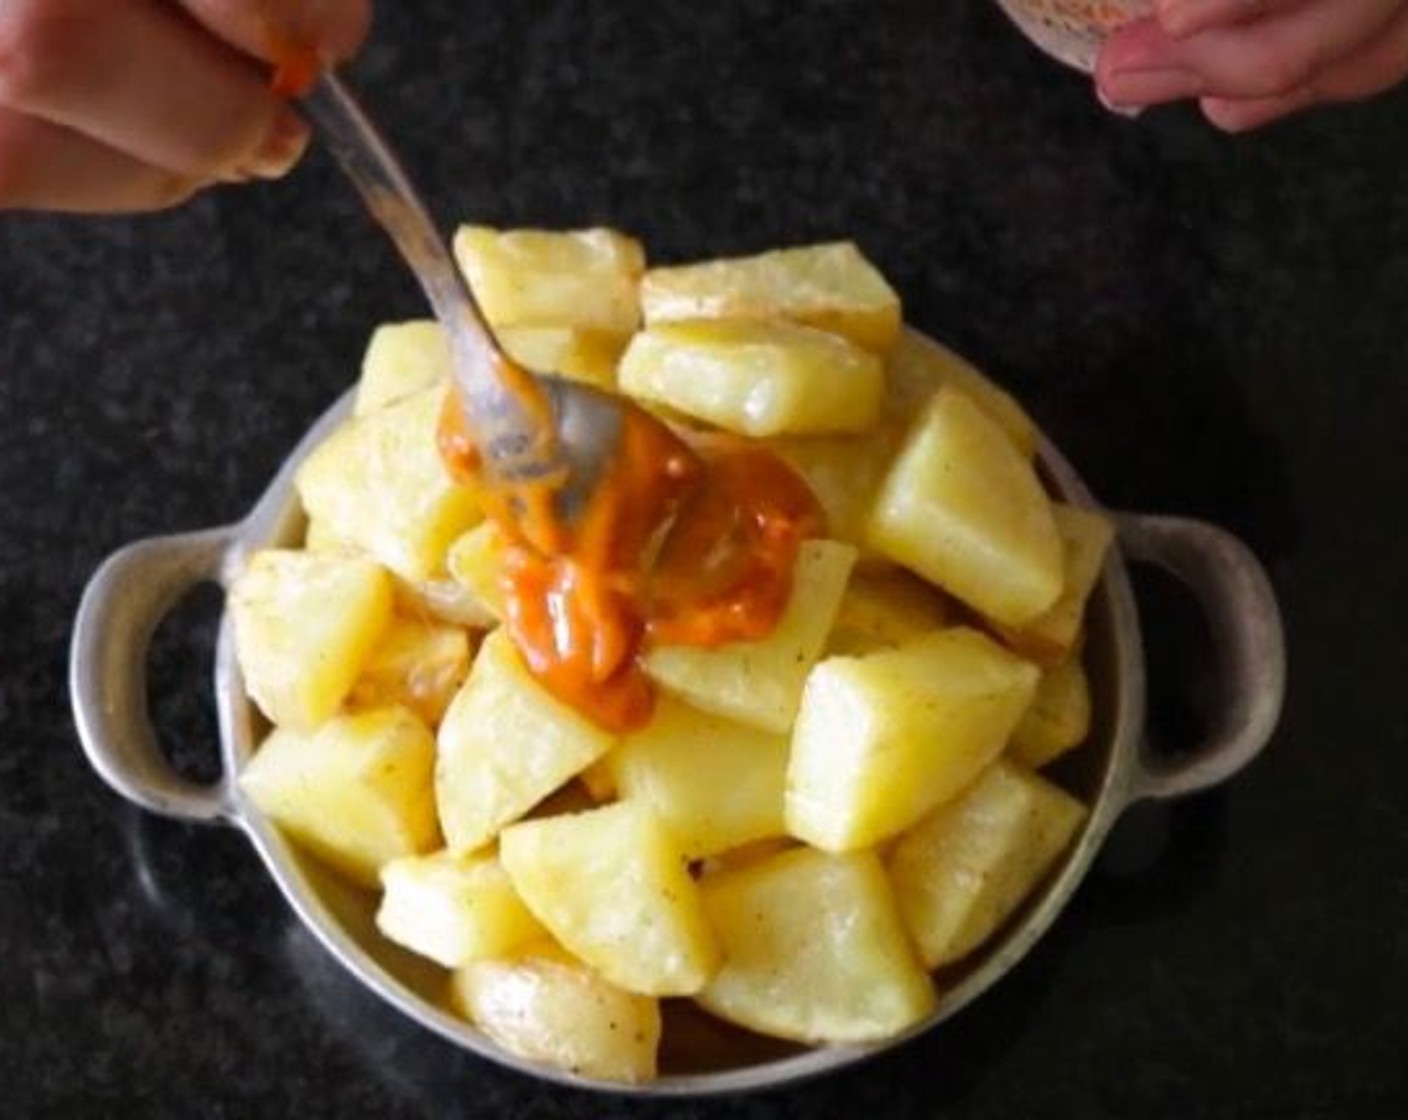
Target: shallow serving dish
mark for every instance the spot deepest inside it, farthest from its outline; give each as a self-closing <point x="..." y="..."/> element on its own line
<point x="138" y="585"/>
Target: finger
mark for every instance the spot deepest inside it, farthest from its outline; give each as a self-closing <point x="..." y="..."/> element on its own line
<point x="333" y="28"/>
<point x="1143" y="65"/>
<point x="1181" y="18"/>
<point x="1379" y="66"/>
<point x="140" y="77"/>
<point x="45" y="166"/>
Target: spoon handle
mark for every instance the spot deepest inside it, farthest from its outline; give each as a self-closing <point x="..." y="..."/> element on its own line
<point x="507" y="432"/>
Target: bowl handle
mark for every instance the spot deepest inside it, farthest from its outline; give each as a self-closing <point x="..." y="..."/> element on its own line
<point x="123" y="603"/>
<point x="1236" y="597"/>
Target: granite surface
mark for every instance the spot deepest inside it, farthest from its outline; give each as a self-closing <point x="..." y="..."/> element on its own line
<point x="1209" y="326"/>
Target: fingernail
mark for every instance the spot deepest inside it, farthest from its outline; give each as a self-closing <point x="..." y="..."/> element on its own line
<point x="1130" y="111"/>
<point x="1152" y="86"/>
<point x="281" y="150"/>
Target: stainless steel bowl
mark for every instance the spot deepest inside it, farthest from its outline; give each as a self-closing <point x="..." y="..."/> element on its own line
<point x="136" y="587"/>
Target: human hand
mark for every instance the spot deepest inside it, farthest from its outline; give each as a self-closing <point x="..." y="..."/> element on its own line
<point x="1248" y="62"/>
<point x="119" y="105"/>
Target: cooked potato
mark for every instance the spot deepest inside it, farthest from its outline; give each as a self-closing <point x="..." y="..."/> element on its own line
<point x="357" y="791"/>
<point x="715" y="783"/>
<point x="882" y="610"/>
<point x="919" y="367"/>
<point x="417" y="664"/>
<point x="505" y="743"/>
<point x="1058" y="719"/>
<point x="844" y="472"/>
<point x="881" y="739"/>
<point x="401" y="359"/>
<point x="442" y="598"/>
<point x="475" y="562"/>
<point x="813" y="950"/>
<point x="613" y="887"/>
<point x="963" y="870"/>
<point x="587" y="279"/>
<point x="544" y="1005"/>
<point x="580" y="355"/>
<point x="760" y="683"/>
<point x="755" y="377"/>
<point x="306" y="623"/>
<point x="1085" y="538"/>
<point x="454" y="907"/>
<point x="965" y="510"/>
<point x="828" y="286"/>
<point x="809" y="820"/>
<point x="379" y="483"/>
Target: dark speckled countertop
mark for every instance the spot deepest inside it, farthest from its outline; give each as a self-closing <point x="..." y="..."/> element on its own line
<point x="1208" y="326"/>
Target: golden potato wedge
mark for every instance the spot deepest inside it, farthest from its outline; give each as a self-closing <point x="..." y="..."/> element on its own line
<point x="306" y="623"/>
<point x="814" y="950"/>
<point x="964" y="509"/>
<point x="379" y="483"/>
<point x="613" y="887"/>
<point x="761" y="377"/>
<point x="715" y="783"/>
<point x="401" y="359"/>
<point x="505" y="744"/>
<point x="357" y="791"/>
<point x="883" y="738"/>
<point x="587" y="279"/>
<point x="962" y="871"/>
<point x="544" y="1005"/>
<point x="885" y="609"/>
<point x="454" y="907"/>
<point x="830" y="286"/>
<point x="417" y="664"/>
<point x="1058" y="719"/>
<point x="1085" y="539"/>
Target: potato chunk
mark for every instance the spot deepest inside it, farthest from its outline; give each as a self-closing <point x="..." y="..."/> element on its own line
<point x="543" y="1005"/>
<point x="587" y="279"/>
<point x="919" y="367"/>
<point x="1058" y="719"/>
<point x="356" y="792"/>
<point x="844" y="472"/>
<point x="420" y="665"/>
<point x="882" y="610"/>
<point x="830" y="286"/>
<point x="401" y="359"/>
<point x="1085" y="538"/>
<point x="579" y="355"/>
<point x="613" y="887"/>
<point x="715" y="783"/>
<point x="755" y="377"/>
<point x="475" y="562"/>
<point x="965" y="510"/>
<point x="760" y="683"/>
<point x="505" y="743"/>
<point x="814" y="950"/>
<point x="967" y="866"/>
<point x="379" y="483"/>
<point x="882" y="739"/>
<point x="454" y="908"/>
<point x="305" y="625"/>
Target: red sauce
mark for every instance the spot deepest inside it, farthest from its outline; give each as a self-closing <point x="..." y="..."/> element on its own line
<point x="681" y="545"/>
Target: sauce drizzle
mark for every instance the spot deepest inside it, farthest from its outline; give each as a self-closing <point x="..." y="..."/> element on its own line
<point x="687" y="541"/>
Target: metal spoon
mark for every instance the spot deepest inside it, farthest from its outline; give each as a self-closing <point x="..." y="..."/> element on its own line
<point x="585" y="423"/>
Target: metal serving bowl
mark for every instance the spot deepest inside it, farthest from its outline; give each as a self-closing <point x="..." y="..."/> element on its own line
<point x="138" y="585"/>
